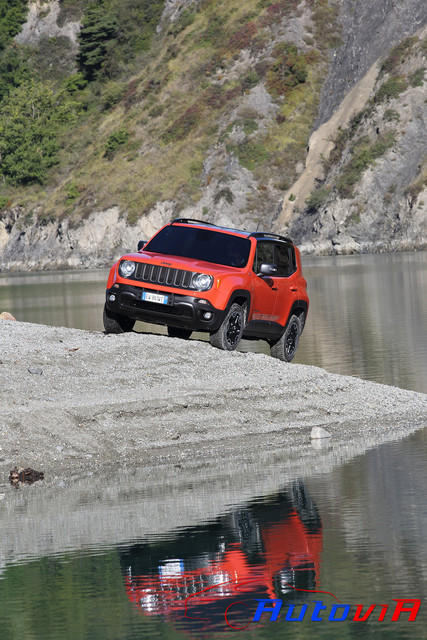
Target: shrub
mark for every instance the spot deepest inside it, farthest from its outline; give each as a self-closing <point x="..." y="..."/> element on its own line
<point x="113" y="93"/>
<point x="416" y="79"/>
<point x="392" y="88"/>
<point x="287" y="71"/>
<point x="75" y="82"/>
<point x="251" y="154"/>
<point x="72" y="193"/>
<point x="390" y="115"/>
<point x="224" y="194"/>
<point x="317" y="199"/>
<point x="250" y="81"/>
<point x="116" y="140"/>
<point x="397" y="55"/>
<point x="250" y="126"/>
<point x="4" y="202"/>
<point x="364" y="155"/>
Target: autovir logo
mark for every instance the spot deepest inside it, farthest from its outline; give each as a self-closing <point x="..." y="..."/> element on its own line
<point x="240" y="614"/>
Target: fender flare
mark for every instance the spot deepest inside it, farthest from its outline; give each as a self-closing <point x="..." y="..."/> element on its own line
<point x="239" y="294"/>
<point x="297" y="307"/>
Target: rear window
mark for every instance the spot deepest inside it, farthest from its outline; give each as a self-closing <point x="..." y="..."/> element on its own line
<point x="201" y="244"/>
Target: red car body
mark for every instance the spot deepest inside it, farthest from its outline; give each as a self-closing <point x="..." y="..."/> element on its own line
<point x="269" y="294"/>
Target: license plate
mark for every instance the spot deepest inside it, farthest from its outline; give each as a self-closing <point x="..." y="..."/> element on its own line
<point x="154" y="297"/>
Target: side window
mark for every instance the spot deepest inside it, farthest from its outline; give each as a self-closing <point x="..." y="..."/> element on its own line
<point x="284" y="259"/>
<point x="264" y="254"/>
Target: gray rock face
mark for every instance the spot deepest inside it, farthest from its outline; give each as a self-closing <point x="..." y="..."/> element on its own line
<point x="384" y="212"/>
<point x="174" y="8"/>
<point x="370" y="29"/>
<point x="42" y="22"/>
<point x="53" y="244"/>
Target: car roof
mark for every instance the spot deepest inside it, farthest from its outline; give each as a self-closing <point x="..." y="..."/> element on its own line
<point x="249" y="234"/>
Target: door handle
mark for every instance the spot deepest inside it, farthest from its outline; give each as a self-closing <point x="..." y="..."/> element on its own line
<point x="294" y="289"/>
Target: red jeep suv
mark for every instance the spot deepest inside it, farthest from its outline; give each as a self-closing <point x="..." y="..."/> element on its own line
<point x="197" y="276"/>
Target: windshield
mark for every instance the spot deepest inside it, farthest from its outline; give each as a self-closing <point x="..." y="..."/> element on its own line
<point x="201" y="244"/>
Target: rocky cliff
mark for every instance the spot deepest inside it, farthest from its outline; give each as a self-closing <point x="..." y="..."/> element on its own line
<point x="305" y="117"/>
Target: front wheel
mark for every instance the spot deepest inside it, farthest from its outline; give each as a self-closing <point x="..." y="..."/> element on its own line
<point x="285" y="348"/>
<point x="177" y="332"/>
<point x="115" y="323"/>
<point x="228" y="336"/>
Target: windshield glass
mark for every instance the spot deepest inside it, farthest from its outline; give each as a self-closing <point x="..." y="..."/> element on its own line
<point x="201" y="244"/>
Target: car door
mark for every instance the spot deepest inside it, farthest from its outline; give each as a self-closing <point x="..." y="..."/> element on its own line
<point x="264" y="289"/>
<point x="285" y="281"/>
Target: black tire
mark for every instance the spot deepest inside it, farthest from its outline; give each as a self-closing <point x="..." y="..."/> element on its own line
<point x="177" y="332"/>
<point x="285" y="348"/>
<point x="230" y="332"/>
<point x="115" y="323"/>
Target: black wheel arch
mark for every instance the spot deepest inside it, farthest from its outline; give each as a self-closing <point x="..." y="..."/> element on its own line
<point x="242" y="297"/>
<point x="299" y="308"/>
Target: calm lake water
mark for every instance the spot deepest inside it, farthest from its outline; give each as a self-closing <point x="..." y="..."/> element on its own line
<point x="131" y="559"/>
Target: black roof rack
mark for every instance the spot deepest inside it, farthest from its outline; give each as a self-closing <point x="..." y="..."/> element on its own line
<point x="193" y="221"/>
<point x="262" y="234"/>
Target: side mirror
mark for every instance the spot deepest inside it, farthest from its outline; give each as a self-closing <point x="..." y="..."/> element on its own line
<point x="267" y="270"/>
<point x="141" y="244"/>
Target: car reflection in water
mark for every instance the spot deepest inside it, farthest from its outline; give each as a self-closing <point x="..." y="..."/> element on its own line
<point x="267" y="549"/>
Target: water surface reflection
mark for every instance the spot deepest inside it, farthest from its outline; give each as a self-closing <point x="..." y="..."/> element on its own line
<point x="267" y="549"/>
<point x="356" y="531"/>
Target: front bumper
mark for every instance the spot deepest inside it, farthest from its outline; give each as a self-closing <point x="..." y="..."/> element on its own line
<point x="186" y="312"/>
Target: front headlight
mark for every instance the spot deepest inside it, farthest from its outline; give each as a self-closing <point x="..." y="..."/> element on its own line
<point x="202" y="282"/>
<point x="127" y="268"/>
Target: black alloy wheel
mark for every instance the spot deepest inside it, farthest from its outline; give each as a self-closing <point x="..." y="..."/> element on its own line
<point x="286" y="347"/>
<point x="291" y="341"/>
<point x="234" y="327"/>
<point x="231" y="329"/>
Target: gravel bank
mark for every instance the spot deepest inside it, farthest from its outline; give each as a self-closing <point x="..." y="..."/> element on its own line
<point x="77" y="402"/>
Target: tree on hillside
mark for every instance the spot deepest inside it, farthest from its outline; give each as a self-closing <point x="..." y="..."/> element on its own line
<point x="31" y="117"/>
<point x="97" y="40"/>
<point x="12" y="16"/>
<point x="14" y="69"/>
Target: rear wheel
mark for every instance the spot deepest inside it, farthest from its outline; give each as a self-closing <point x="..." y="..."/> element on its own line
<point x="115" y="323"/>
<point x="177" y="332"/>
<point x="230" y="332"/>
<point x="285" y="348"/>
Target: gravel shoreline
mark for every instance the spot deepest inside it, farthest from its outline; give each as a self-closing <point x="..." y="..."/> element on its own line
<point x="79" y="402"/>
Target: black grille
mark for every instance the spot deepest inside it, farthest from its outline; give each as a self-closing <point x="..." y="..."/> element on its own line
<point x="156" y="274"/>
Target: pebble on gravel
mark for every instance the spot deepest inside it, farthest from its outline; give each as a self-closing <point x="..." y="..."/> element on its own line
<point x="6" y="316"/>
<point x="35" y="371"/>
<point x="319" y="432"/>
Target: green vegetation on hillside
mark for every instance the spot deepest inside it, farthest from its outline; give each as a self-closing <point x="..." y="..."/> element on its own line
<point x="12" y="16"/>
<point x="30" y="119"/>
<point x="133" y="121"/>
<point x="113" y="32"/>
